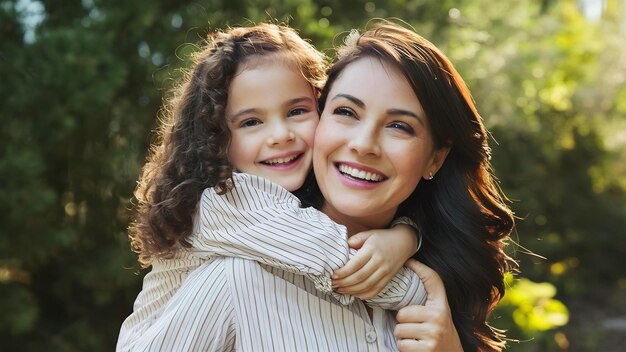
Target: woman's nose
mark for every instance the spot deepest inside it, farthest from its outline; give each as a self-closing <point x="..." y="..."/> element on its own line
<point x="364" y="141"/>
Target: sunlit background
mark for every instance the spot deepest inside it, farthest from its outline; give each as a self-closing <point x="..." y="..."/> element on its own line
<point x="81" y="83"/>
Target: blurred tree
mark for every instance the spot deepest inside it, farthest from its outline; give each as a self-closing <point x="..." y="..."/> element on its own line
<point x="550" y="115"/>
<point x="549" y="80"/>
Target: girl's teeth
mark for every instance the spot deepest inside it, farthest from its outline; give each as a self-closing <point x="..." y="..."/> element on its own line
<point x="364" y="175"/>
<point x="281" y="160"/>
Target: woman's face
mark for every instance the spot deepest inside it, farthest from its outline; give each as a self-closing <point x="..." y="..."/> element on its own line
<point x="372" y="145"/>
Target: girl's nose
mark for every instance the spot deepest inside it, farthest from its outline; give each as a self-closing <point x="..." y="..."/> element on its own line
<point x="280" y="133"/>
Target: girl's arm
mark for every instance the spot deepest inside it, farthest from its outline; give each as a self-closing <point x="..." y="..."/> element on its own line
<point x="259" y="220"/>
<point x="377" y="274"/>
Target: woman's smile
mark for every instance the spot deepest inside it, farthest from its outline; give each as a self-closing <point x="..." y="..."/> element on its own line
<point x="359" y="176"/>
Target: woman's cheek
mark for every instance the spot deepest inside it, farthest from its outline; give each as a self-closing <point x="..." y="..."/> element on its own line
<point x="323" y="135"/>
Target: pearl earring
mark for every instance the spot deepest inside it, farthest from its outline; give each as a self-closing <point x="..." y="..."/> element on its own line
<point x="430" y="175"/>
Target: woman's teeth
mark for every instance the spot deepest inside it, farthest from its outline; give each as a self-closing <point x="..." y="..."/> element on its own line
<point x="360" y="174"/>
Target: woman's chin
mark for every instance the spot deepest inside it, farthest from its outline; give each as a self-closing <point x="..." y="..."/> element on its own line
<point x="358" y="208"/>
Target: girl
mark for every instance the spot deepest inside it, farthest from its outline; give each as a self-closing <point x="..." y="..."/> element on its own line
<point x="250" y="105"/>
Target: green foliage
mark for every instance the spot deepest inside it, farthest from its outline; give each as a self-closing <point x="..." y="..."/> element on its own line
<point x="82" y="82"/>
<point x="19" y="309"/>
<point x="535" y="312"/>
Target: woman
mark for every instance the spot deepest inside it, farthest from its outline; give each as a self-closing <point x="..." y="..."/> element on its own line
<point x="390" y="89"/>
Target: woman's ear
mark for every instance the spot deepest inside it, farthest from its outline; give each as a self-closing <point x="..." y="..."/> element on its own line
<point x="437" y="160"/>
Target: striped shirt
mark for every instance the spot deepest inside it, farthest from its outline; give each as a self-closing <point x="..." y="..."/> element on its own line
<point x="259" y="260"/>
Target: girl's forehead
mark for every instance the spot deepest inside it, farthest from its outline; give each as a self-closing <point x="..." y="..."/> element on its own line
<point x="268" y="59"/>
<point x="272" y="60"/>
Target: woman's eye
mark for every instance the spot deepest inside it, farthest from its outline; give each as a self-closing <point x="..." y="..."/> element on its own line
<point x="298" y="111"/>
<point x="344" y="111"/>
<point x="402" y="126"/>
<point x="250" y="123"/>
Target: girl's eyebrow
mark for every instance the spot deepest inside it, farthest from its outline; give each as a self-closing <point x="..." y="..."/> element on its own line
<point x="300" y="100"/>
<point x="255" y="111"/>
<point x="233" y="117"/>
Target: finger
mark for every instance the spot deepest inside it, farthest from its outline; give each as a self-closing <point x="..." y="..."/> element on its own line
<point x="362" y="274"/>
<point x="409" y="345"/>
<point x="356" y="241"/>
<point x="413" y="314"/>
<point x="357" y="288"/>
<point x="353" y="265"/>
<point x="368" y="294"/>
<point x="362" y="294"/>
<point x="409" y="330"/>
<point x="365" y="289"/>
<point x="372" y="286"/>
<point x="432" y="282"/>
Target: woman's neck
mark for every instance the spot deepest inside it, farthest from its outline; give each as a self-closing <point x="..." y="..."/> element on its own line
<point x="355" y="225"/>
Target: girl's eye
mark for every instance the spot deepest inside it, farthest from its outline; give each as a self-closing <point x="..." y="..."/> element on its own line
<point x="344" y="111"/>
<point x="250" y="123"/>
<point x="404" y="127"/>
<point x="297" y="111"/>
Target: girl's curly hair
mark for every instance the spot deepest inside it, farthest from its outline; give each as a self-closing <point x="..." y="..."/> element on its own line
<point x="191" y="151"/>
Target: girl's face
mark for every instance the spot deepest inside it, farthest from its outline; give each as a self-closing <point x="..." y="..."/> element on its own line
<point x="272" y="115"/>
<point x="373" y="144"/>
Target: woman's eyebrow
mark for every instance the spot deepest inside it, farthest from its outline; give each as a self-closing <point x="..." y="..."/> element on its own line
<point x="406" y="113"/>
<point x="352" y="98"/>
<point x="361" y="105"/>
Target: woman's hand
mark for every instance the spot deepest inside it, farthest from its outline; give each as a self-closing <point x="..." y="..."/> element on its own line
<point x="429" y="327"/>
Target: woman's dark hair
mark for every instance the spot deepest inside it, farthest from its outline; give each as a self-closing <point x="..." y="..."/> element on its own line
<point x="191" y="152"/>
<point x="461" y="211"/>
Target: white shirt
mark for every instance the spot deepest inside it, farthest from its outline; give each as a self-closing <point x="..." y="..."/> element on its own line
<point x="279" y="282"/>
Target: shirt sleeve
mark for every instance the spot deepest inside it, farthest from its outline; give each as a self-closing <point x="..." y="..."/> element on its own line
<point x="404" y="289"/>
<point x="259" y="220"/>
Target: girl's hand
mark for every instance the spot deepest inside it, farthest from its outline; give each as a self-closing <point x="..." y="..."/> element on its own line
<point x="429" y="327"/>
<point x="381" y="253"/>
